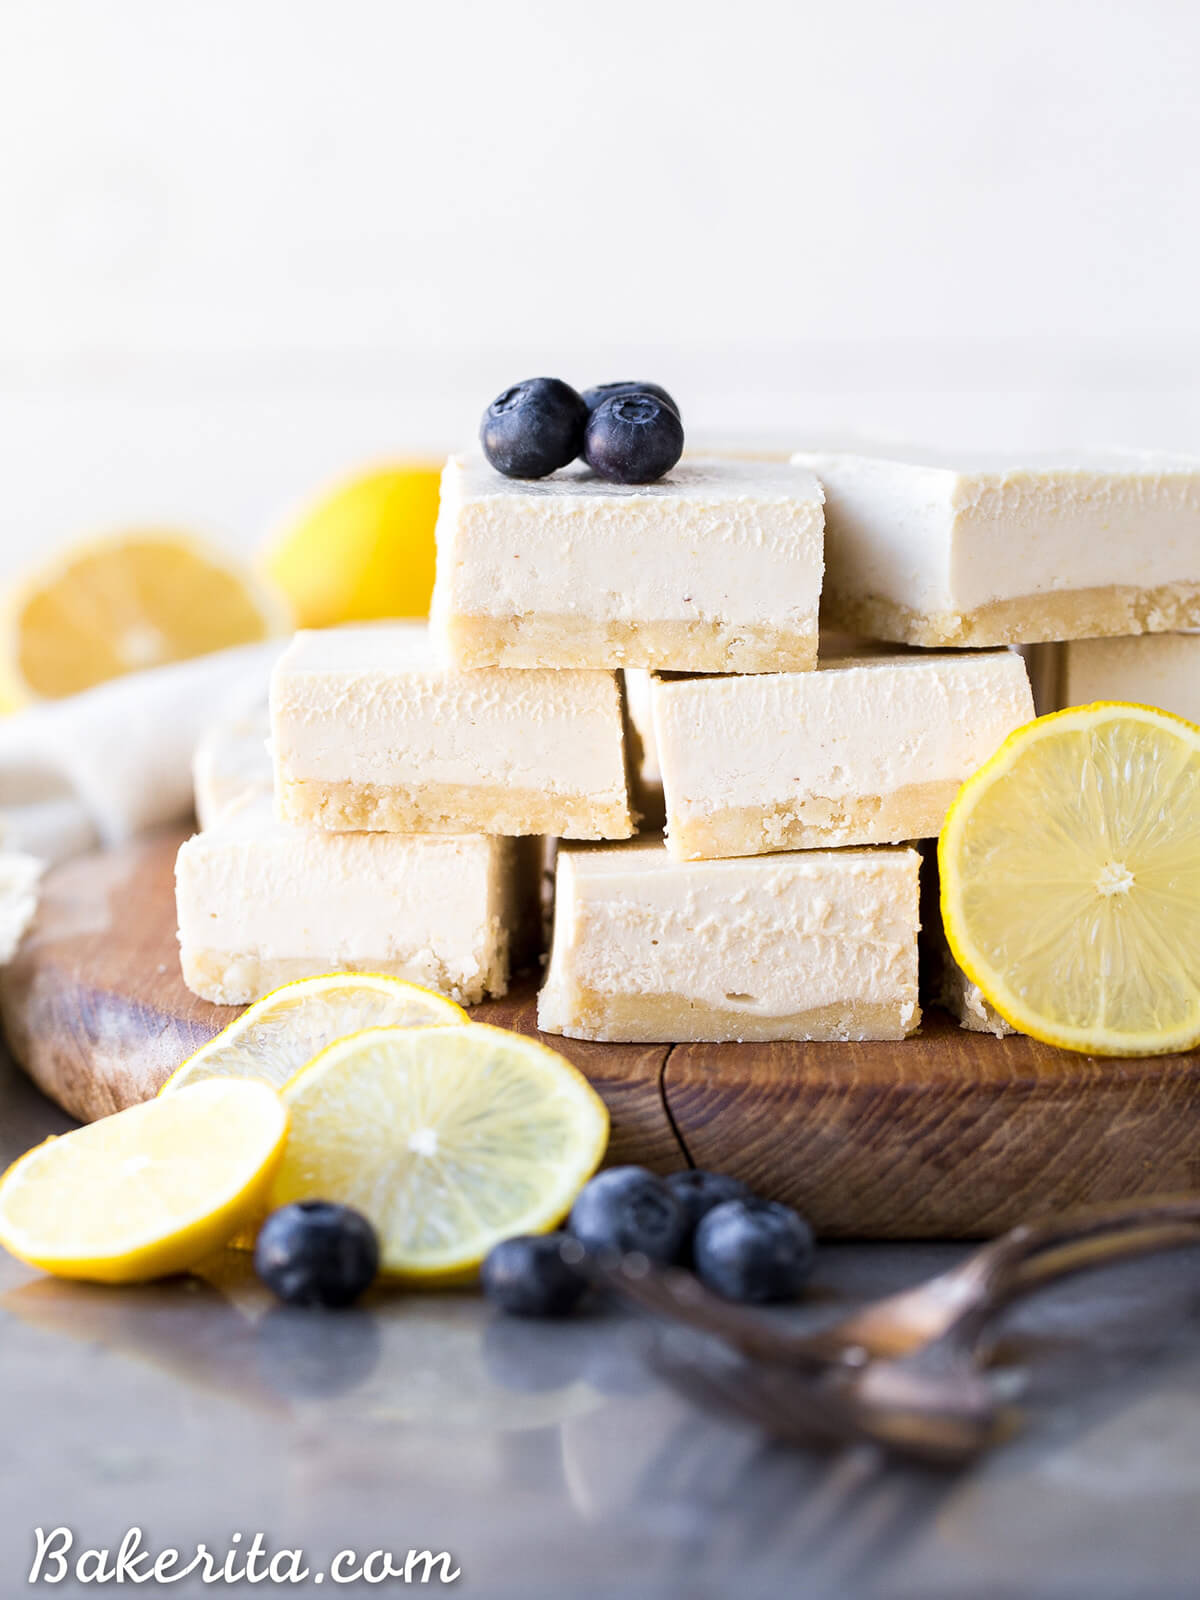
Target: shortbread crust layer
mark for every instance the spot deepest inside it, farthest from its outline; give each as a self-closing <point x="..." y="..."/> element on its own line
<point x="1106" y="612"/>
<point x="238" y="977"/>
<point x="915" y="811"/>
<point x="966" y="1003"/>
<point x="450" y="808"/>
<point x="675" y="1019"/>
<point x="537" y="640"/>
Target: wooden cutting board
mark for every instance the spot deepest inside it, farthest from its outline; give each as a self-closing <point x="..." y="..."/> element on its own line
<point x="949" y="1134"/>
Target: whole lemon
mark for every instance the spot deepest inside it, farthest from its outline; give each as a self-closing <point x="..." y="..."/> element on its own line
<point x="363" y="550"/>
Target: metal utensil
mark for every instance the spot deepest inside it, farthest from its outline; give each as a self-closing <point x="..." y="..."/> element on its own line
<point x="898" y="1375"/>
<point x="944" y="1419"/>
<point x="952" y="1308"/>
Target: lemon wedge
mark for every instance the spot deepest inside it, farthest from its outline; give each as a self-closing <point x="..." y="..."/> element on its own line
<point x="1070" y="870"/>
<point x="282" y="1032"/>
<point x="448" y="1139"/>
<point x="364" y="550"/>
<point x="147" y="1192"/>
<point x="118" y="604"/>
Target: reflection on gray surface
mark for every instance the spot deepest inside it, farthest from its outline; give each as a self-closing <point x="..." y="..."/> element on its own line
<point x="552" y="1464"/>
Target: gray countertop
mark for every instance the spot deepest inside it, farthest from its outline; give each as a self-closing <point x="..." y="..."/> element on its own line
<point x="549" y="1462"/>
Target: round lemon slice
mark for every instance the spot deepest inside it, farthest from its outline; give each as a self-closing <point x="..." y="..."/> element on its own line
<point x="150" y="1191"/>
<point x="118" y="604"/>
<point x="1070" y="870"/>
<point x="363" y="550"/>
<point x="448" y="1139"/>
<point x="282" y="1032"/>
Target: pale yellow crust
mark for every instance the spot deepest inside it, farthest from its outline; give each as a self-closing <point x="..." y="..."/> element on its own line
<point x="580" y="1013"/>
<point x="914" y="811"/>
<point x="451" y="808"/>
<point x="955" y="993"/>
<point x="239" y="977"/>
<point x="539" y="640"/>
<point x="1111" y="611"/>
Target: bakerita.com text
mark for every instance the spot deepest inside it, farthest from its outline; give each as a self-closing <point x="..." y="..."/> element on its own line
<point x="56" y="1558"/>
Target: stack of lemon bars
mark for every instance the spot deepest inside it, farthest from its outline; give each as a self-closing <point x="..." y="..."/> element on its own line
<point x="424" y="779"/>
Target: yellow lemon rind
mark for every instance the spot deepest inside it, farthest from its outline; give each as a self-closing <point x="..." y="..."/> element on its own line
<point x="180" y="1077"/>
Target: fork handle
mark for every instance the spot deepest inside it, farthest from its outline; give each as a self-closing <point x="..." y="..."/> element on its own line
<point x="1040" y="1254"/>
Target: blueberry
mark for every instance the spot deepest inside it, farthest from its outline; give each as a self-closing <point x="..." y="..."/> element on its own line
<point x="754" y="1250"/>
<point x="534" y="1276"/>
<point x="316" y="1253"/>
<point x="605" y="391"/>
<point x="533" y="428"/>
<point x="627" y="1209"/>
<point x="632" y="438"/>
<point x="698" y="1192"/>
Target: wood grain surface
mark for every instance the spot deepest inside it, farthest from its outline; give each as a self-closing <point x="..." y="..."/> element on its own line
<point x="948" y="1134"/>
<point x="951" y="1134"/>
<point x="97" y="1013"/>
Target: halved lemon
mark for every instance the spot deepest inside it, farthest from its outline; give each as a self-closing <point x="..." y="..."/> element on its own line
<point x="113" y="605"/>
<point x="363" y="550"/>
<point x="1070" y="869"/>
<point x="448" y="1139"/>
<point x="282" y="1032"/>
<point x="149" y="1191"/>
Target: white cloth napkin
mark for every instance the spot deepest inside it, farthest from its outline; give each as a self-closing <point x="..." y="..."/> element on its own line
<point x="115" y="761"/>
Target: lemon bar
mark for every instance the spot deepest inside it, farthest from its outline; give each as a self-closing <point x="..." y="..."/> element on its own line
<point x="1160" y="670"/>
<point x="261" y="903"/>
<point x="965" y="1000"/>
<point x="868" y="749"/>
<point x="369" y="733"/>
<point x="231" y="763"/>
<point x="715" y="568"/>
<point x="817" y="944"/>
<point x="1010" y="553"/>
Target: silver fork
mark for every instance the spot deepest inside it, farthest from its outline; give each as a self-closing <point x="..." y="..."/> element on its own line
<point x="899" y="1373"/>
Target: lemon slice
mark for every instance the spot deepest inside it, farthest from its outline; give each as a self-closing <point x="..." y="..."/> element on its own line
<point x="282" y="1032"/>
<point x="114" y="605"/>
<point x="448" y="1139"/>
<point x="364" y="550"/>
<point x="149" y="1191"/>
<point x="1070" y="868"/>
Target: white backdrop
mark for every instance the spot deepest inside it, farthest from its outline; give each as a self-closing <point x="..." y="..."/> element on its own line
<point x="248" y="243"/>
